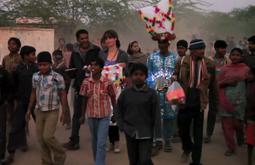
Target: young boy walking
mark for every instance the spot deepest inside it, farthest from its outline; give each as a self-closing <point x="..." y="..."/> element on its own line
<point x="182" y="48"/>
<point x="139" y="116"/>
<point x="220" y="59"/>
<point x="99" y="95"/>
<point x="47" y="93"/>
<point x="23" y="86"/>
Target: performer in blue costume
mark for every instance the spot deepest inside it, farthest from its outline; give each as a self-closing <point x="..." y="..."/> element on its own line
<point x="161" y="65"/>
<point x="160" y="21"/>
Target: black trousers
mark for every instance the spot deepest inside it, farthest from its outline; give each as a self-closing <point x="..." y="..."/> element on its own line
<point x="75" y="138"/>
<point x="139" y="151"/>
<point x="185" y="118"/>
<point x="212" y="115"/>
<point x="3" y="120"/>
<point x="17" y="135"/>
<point x="113" y="134"/>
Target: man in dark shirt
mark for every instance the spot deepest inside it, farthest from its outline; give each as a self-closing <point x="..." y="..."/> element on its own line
<point x="196" y="74"/>
<point x="249" y="59"/>
<point x="5" y="90"/>
<point x="22" y="78"/>
<point x="84" y="52"/>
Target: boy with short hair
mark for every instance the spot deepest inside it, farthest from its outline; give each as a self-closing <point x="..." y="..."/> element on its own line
<point x="99" y="95"/>
<point x="220" y="59"/>
<point x="11" y="61"/>
<point x="139" y="116"/>
<point x="48" y="91"/>
<point x="182" y="48"/>
<point x="23" y="86"/>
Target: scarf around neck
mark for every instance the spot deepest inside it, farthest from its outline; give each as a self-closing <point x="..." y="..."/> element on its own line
<point x="202" y="72"/>
<point x="236" y="72"/>
<point x="137" y="58"/>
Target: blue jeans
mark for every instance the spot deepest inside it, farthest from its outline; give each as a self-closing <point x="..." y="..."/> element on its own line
<point x="169" y="128"/>
<point x="99" y="132"/>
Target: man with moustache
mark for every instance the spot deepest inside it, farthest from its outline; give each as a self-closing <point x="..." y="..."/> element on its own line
<point x="84" y="52"/>
<point x="196" y="74"/>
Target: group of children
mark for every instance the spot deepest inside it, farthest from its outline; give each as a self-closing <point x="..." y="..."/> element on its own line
<point x="40" y="89"/>
<point x="31" y="89"/>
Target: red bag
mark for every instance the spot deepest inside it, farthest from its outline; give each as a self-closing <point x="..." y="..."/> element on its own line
<point x="175" y="93"/>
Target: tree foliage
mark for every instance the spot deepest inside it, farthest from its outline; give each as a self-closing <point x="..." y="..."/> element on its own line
<point x="72" y="11"/>
<point x="121" y="14"/>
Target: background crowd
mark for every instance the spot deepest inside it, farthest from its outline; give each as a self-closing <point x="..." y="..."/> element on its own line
<point x="219" y="77"/>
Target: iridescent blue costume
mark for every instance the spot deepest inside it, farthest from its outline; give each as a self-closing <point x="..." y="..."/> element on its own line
<point x="161" y="68"/>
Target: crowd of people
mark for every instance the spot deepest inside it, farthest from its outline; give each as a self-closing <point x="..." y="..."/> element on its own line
<point x="37" y="85"/>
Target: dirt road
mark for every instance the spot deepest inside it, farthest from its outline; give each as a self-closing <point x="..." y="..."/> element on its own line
<point x="213" y="154"/>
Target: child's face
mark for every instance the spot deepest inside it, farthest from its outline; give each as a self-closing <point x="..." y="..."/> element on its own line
<point x="62" y="42"/>
<point x="235" y="57"/>
<point x="95" y="68"/>
<point x="44" y="67"/>
<point x="31" y="57"/>
<point x="251" y="46"/>
<point x="138" y="77"/>
<point x="135" y="47"/>
<point x="56" y="59"/>
<point x="13" y="47"/>
<point x="181" y="51"/>
<point x="222" y="51"/>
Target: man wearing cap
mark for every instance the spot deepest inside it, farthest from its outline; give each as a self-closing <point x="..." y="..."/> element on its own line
<point x="161" y="66"/>
<point x="196" y="75"/>
<point x="220" y="59"/>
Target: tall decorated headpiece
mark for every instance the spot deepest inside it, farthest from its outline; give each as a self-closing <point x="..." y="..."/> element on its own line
<point x="160" y="20"/>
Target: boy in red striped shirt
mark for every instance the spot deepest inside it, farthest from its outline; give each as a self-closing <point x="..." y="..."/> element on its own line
<point x="99" y="95"/>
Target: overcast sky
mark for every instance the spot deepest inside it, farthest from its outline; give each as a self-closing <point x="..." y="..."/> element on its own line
<point x="228" y="5"/>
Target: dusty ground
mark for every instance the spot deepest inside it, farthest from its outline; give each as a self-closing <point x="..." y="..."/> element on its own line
<point x="212" y="153"/>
